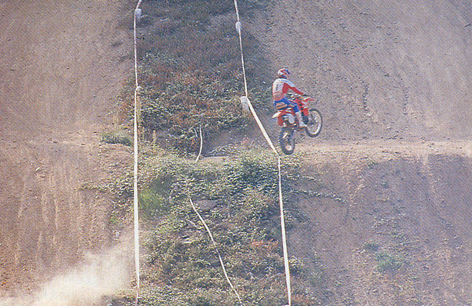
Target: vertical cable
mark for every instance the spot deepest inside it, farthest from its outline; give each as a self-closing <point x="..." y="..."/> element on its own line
<point x="238" y="28"/>
<point x="284" y="236"/>
<point x="135" y="134"/>
<point x="269" y="141"/>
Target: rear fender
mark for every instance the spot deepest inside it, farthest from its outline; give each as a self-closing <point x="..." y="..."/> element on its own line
<point x="280" y="117"/>
<point x="280" y="120"/>
<point x="287" y="115"/>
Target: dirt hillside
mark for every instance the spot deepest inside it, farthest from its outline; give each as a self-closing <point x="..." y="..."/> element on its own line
<point x="388" y="202"/>
<point x="380" y="70"/>
<point x="62" y="64"/>
<point x="388" y="181"/>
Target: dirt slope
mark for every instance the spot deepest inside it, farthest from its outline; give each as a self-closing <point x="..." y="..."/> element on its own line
<point x="379" y="69"/>
<point x="387" y="208"/>
<point x="388" y="223"/>
<point x="62" y="64"/>
<point x="388" y="204"/>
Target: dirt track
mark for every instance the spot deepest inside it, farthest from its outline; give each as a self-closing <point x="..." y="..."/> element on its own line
<point x="379" y="70"/>
<point x="390" y="185"/>
<point x="392" y="164"/>
<point x="61" y="66"/>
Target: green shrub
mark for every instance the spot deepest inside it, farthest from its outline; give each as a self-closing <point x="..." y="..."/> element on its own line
<point x="117" y="137"/>
<point x="371" y="246"/>
<point x="387" y="262"/>
<point x="244" y="223"/>
<point x="190" y="71"/>
<point x="191" y="77"/>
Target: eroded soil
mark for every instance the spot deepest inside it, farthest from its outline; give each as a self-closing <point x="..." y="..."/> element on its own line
<point x="390" y="173"/>
<point x="61" y="66"/>
<point x="388" y="180"/>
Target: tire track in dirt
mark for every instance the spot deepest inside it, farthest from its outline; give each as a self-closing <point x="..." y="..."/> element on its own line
<point x="403" y="200"/>
<point x="412" y="63"/>
<point x="388" y="192"/>
<point x="62" y="64"/>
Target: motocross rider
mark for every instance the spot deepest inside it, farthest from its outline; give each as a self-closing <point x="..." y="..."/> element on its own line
<point x="280" y="88"/>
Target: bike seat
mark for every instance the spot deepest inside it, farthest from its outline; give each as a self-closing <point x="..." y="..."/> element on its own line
<point x="281" y="105"/>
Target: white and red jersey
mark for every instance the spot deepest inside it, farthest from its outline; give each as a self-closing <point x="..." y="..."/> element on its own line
<point x="280" y="88"/>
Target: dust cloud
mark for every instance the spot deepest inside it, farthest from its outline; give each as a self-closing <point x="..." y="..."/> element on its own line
<point x="100" y="275"/>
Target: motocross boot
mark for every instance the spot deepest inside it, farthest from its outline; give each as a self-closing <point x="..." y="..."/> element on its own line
<point x="301" y="124"/>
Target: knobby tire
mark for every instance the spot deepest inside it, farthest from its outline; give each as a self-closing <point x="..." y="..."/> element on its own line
<point x="287" y="140"/>
<point x="315" y="123"/>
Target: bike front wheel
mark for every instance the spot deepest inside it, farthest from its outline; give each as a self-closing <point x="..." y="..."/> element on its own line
<point x="287" y="140"/>
<point x="315" y="123"/>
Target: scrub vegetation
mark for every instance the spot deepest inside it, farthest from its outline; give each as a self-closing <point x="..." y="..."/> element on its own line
<point x="191" y="77"/>
<point x="190" y="71"/>
<point x="238" y="200"/>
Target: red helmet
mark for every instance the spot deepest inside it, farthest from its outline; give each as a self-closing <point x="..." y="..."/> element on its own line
<point x="283" y="73"/>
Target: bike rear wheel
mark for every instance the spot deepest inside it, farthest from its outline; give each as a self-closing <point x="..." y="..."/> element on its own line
<point x="315" y="123"/>
<point x="287" y="140"/>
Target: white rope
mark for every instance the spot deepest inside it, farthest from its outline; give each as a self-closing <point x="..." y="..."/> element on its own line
<point x="251" y="108"/>
<point x="135" y="134"/>
<point x="209" y="232"/>
<point x="217" y="251"/>
<point x="284" y="236"/>
<point x="238" y="28"/>
<point x="201" y="143"/>
<point x="136" y="202"/>
<point x="269" y="141"/>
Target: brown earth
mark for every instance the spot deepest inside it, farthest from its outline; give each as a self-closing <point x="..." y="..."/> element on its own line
<point x="62" y="64"/>
<point x="387" y="202"/>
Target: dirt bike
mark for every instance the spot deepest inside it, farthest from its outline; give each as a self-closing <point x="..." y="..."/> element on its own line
<point x="287" y="119"/>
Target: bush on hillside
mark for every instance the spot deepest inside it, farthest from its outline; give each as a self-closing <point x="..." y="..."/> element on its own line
<point x="190" y="70"/>
<point x="181" y="265"/>
<point x="117" y="137"/>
